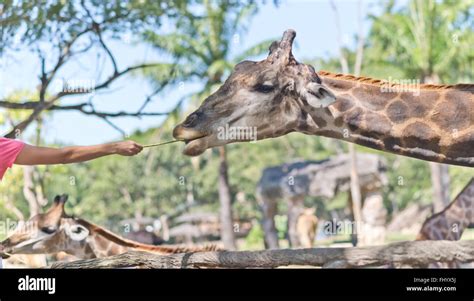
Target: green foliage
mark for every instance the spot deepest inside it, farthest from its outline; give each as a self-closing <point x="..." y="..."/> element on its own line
<point x="28" y="22"/>
<point x="254" y="240"/>
<point x="425" y="38"/>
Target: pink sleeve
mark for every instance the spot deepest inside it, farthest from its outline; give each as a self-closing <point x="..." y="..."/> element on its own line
<point x="9" y="150"/>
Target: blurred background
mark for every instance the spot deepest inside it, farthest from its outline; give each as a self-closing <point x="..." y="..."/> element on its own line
<point x="134" y="69"/>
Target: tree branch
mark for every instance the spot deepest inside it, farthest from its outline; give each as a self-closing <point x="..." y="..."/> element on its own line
<point x="40" y="107"/>
<point x="82" y="107"/>
<point x="411" y="253"/>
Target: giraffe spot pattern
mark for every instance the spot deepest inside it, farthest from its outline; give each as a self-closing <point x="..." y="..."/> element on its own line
<point x="420" y="135"/>
<point x="377" y="125"/>
<point x="354" y="118"/>
<point x="462" y="146"/>
<point x="398" y="112"/>
<point x="319" y="121"/>
<point x="391" y="142"/>
<point x="420" y="105"/>
<point x="372" y="98"/>
<point x="455" y="114"/>
<point x="344" y="103"/>
<point x="469" y="215"/>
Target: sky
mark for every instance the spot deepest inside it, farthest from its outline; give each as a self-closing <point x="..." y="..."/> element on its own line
<point x="316" y="37"/>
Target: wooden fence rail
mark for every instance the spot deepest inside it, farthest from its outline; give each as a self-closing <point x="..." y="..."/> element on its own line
<point x="410" y="253"/>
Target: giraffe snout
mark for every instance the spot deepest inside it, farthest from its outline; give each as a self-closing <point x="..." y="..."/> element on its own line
<point x="181" y="132"/>
<point x="2" y="250"/>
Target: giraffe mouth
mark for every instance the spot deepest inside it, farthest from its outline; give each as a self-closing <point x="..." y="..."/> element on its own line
<point x="26" y="246"/>
<point x="196" y="146"/>
<point x="196" y="142"/>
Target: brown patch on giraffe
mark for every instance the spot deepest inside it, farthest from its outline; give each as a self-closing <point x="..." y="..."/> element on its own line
<point x="391" y="142"/>
<point x="372" y="98"/>
<point x="422" y="136"/>
<point x="455" y="114"/>
<point x="102" y="243"/>
<point x="398" y="112"/>
<point x="319" y="121"/>
<point x="330" y="134"/>
<point x="287" y="108"/>
<point x="343" y="103"/>
<point x="420" y="105"/>
<point x="379" y="125"/>
<point x="469" y="215"/>
<point x="461" y="147"/>
<point x="354" y="118"/>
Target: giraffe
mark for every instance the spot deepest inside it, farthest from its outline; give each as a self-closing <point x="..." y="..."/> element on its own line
<point x="279" y="95"/>
<point x="449" y="224"/>
<point x="55" y="231"/>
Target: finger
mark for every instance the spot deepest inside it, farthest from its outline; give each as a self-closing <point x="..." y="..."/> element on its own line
<point x="136" y="150"/>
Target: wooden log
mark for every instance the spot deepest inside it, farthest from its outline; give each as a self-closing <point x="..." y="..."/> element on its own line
<point x="411" y="253"/>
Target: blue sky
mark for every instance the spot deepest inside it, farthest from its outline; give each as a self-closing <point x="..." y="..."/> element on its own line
<point x="312" y="20"/>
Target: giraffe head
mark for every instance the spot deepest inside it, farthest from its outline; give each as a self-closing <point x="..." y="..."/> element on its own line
<point x="264" y="99"/>
<point x="46" y="233"/>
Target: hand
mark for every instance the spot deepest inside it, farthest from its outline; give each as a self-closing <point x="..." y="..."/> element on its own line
<point x="127" y="148"/>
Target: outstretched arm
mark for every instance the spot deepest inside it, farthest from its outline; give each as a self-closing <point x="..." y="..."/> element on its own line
<point x="33" y="155"/>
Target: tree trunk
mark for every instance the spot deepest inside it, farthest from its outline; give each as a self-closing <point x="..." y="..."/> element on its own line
<point x="269" y="210"/>
<point x="227" y="230"/>
<point x="440" y="181"/>
<point x="407" y="253"/>
<point x="355" y="197"/>
<point x="29" y="191"/>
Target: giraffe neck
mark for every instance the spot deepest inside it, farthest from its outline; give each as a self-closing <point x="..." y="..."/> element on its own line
<point x="103" y="243"/>
<point x="428" y="122"/>
<point x="450" y="223"/>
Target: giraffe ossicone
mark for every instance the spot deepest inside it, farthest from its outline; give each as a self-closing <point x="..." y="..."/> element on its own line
<point x="279" y="95"/>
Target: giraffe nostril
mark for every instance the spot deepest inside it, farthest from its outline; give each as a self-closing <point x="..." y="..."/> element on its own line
<point x="191" y="120"/>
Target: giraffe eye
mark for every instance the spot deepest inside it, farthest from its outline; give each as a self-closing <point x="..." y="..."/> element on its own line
<point x="264" y="88"/>
<point x="77" y="230"/>
<point x="48" y="230"/>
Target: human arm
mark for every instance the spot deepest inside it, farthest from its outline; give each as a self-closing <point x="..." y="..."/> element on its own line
<point x="34" y="155"/>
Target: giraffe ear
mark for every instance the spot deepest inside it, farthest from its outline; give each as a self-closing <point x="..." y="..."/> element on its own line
<point x="77" y="232"/>
<point x="318" y="96"/>
<point x="61" y="200"/>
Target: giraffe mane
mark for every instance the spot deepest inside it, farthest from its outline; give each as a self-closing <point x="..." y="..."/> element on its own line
<point x="145" y="247"/>
<point x="380" y="82"/>
<point x="471" y="182"/>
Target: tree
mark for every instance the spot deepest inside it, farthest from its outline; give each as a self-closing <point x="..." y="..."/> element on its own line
<point x="57" y="32"/>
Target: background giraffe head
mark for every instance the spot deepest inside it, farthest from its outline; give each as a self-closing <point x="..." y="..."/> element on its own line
<point x="46" y="233"/>
<point x="259" y="100"/>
